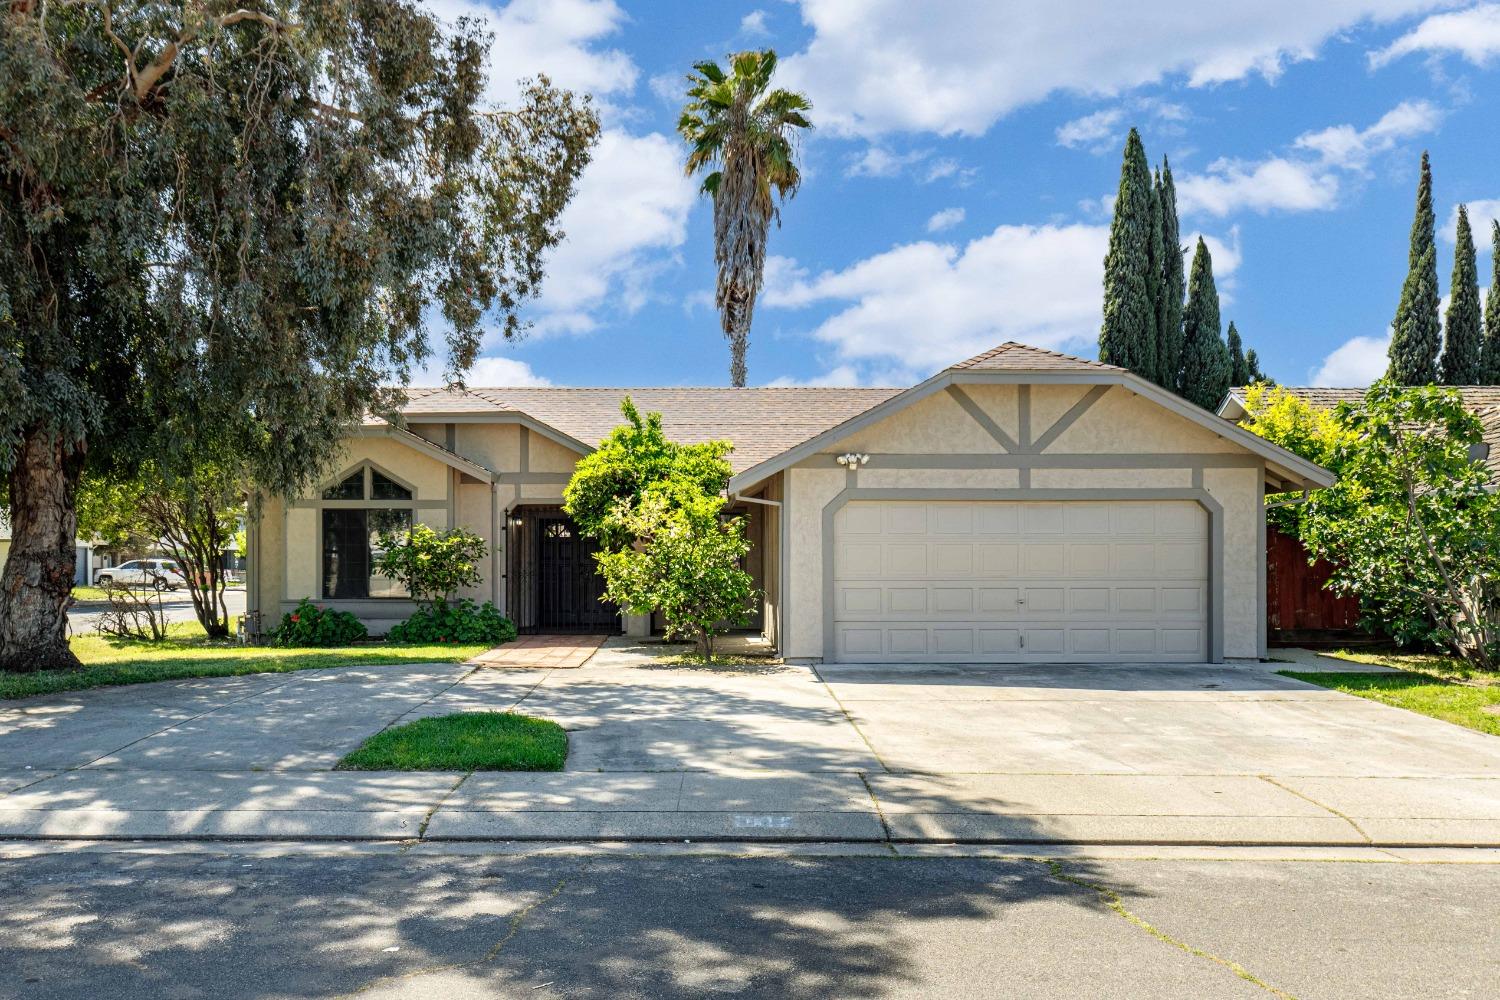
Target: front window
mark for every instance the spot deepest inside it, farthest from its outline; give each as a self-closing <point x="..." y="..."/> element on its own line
<point x="351" y="545"/>
<point x="352" y="536"/>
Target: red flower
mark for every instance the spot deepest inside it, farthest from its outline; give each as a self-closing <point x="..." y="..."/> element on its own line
<point x="296" y="618"/>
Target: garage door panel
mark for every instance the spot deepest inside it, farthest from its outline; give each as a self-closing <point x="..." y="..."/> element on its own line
<point x="857" y="559"/>
<point x="1014" y="581"/>
<point x="999" y="559"/>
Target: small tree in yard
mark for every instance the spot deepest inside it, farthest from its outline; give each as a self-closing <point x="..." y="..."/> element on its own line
<point x="656" y="508"/>
<point x="433" y="565"/>
<point x="193" y="516"/>
<point x="685" y="563"/>
<point x="1410" y="525"/>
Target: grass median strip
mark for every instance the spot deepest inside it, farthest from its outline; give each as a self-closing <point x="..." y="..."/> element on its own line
<point x="464" y="741"/>
<point x="1471" y="701"/>
<point x="187" y="652"/>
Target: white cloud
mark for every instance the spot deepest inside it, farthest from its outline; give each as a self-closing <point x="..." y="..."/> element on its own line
<point x="556" y="37"/>
<point x="490" y="371"/>
<point x="877" y="161"/>
<point x="1482" y="212"/>
<point x="631" y="207"/>
<point x="945" y="219"/>
<point x="1355" y="363"/>
<point x="1091" y="130"/>
<point x="1103" y="130"/>
<point x="922" y="306"/>
<point x="875" y="67"/>
<point x="1277" y="183"/>
<point x="1473" y="34"/>
<point x="1349" y="148"/>
<point x="1308" y="182"/>
<point x="840" y="377"/>
<point x="754" y="23"/>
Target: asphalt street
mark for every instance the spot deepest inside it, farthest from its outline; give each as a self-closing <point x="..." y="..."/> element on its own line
<point x="177" y="605"/>
<point x="228" y="923"/>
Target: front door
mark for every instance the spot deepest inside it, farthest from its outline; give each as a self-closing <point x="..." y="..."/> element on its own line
<point x="569" y="587"/>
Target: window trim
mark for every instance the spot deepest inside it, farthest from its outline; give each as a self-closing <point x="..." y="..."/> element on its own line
<point x="322" y="552"/>
<point x="367" y="468"/>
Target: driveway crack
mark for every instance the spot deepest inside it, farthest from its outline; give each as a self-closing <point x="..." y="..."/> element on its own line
<point x="1116" y="904"/>
<point x="885" y="825"/>
<point x="849" y="718"/>
<point x="1321" y="805"/>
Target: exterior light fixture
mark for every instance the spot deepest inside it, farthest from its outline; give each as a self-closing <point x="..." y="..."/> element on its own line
<point x="852" y="460"/>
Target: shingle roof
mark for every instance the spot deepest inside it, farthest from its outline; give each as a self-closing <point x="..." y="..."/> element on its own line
<point x="1491" y="420"/>
<point x="1476" y="397"/>
<point x="760" y="423"/>
<point x="1483" y="400"/>
<point x="1012" y="356"/>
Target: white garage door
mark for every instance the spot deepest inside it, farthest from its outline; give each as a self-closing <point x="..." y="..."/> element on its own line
<point x="998" y="581"/>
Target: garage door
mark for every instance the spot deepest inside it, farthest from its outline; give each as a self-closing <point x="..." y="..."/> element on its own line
<point x="997" y="581"/>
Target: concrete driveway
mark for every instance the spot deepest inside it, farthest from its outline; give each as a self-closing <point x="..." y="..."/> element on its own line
<point x="1153" y="755"/>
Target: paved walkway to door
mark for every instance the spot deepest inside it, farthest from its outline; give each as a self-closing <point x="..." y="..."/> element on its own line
<point x="542" y="652"/>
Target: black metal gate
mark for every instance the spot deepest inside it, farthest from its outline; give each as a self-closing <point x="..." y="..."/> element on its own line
<point x="569" y="589"/>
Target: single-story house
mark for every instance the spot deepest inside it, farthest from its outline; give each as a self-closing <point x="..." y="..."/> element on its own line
<point x="1020" y="506"/>
<point x="1482" y="400"/>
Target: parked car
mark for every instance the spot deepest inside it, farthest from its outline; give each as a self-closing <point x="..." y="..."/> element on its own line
<point x="157" y="574"/>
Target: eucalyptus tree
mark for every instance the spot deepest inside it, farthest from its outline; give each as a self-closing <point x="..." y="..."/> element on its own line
<point x="743" y="134"/>
<point x="242" y="217"/>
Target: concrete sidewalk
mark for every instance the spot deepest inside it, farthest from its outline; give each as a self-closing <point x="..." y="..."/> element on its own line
<point x="1208" y="755"/>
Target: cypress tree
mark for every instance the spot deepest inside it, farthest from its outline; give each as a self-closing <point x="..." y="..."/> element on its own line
<point x="1416" y="335"/>
<point x="1239" y="363"/>
<point x="1253" y="363"/>
<point x="1173" y="284"/>
<point x="1489" y="367"/>
<point x="1463" y="333"/>
<point x="1205" y="359"/>
<point x="1129" y="310"/>
<point x="1149" y="363"/>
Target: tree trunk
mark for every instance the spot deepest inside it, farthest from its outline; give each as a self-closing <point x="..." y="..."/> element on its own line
<point x="36" y="586"/>
<point x="739" y="341"/>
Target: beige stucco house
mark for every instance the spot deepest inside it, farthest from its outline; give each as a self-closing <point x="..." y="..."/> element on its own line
<point x="1020" y="506"/>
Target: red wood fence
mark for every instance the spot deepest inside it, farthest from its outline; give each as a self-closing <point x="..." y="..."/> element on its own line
<point x="1298" y="609"/>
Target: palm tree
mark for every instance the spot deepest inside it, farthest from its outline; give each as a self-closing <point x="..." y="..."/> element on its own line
<point x="742" y="131"/>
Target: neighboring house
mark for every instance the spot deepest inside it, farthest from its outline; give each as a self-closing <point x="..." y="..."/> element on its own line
<point x="1020" y="506"/>
<point x="1300" y="609"/>
<point x="1482" y="400"/>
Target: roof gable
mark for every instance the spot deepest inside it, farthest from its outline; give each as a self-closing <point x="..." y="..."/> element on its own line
<point x="1022" y="364"/>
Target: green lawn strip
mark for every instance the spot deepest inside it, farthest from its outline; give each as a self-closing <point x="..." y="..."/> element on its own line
<point x="1453" y="699"/>
<point x="464" y="741"/>
<point x="187" y="652"/>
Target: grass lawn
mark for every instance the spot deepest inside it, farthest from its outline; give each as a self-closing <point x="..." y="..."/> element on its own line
<point x="1440" y="686"/>
<point x="465" y="741"/>
<point x="187" y="653"/>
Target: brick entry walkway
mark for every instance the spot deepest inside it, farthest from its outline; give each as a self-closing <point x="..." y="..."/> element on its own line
<point x="542" y="652"/>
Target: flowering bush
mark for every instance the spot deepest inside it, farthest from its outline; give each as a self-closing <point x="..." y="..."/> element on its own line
<point x="311" y="625"/>
<point x="459" y="621"/>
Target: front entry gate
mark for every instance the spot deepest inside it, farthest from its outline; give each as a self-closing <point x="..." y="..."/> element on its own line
<point x="556" y="583"/>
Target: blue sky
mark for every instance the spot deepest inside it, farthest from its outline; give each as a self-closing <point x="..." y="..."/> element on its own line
<point x="957" y="188"/>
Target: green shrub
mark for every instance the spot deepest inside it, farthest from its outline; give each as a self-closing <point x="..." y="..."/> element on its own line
<point x="462" y="621"/>
<point x="311" y="625"/>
